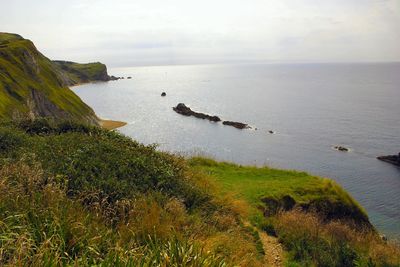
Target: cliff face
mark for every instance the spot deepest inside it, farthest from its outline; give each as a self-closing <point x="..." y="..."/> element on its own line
<point x="33" y="86"/>
<point x="76" y="73"/>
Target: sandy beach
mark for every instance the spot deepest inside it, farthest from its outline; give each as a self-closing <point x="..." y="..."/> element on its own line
<point x="111" y="125"/>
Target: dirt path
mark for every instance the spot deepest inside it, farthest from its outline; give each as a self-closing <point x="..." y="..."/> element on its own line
<point x="273" y="250"/>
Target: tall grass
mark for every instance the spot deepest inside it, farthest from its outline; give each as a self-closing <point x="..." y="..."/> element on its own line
<point x="318" y="223"/>
<point x="41" y="226"/>
<point x="311" y="241"/>
<point x="77" y="195"/>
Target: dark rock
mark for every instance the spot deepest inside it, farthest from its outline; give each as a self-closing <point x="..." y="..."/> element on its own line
<point x="383" y="237"/>
<point x="273" y="206"/>
<point x="271" y="132"/>
<point x="186" y="111"/>
<point x="129" y="77"/>
<point x="341" y="148"/>
<point x="393" y="159"/>
<point x="163" y="94"/>
<point x="113" y="78"/>
<point x="237" y="125"/>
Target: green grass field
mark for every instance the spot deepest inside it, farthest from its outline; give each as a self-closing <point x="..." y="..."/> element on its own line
<point x="253" y="184"/>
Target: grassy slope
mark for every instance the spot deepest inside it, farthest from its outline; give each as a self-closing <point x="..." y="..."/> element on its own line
<point x="338" y="234"/>
<point x="73" y="194"/>
<point x="254" y="184"/>
<point x="23" y="68"/>
<point x="78" y="195"/>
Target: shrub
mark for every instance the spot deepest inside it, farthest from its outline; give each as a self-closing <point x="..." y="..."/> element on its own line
<point x="9" y="140"/>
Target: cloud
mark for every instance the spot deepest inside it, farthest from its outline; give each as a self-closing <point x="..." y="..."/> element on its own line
<point x="184" y="31"/>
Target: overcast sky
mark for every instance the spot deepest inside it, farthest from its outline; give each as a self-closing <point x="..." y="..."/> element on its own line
<point x="158" y="32"/>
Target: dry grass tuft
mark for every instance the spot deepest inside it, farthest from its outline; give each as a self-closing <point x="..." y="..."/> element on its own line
<point x="312" y="241"/>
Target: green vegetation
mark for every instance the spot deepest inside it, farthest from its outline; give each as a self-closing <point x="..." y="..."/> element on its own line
<point x="74" y="194"/>
<point x="274" y="189"/>
<point x="311" y="241"/>
<point x="83" y="73"/>
<point x="77" y="195"/>
<point x="315" y="219"/>
<point x="33" y="86"/>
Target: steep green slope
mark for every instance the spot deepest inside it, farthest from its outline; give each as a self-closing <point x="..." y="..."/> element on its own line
<point x="33" y="86"/>
<point x="83" y="73"/>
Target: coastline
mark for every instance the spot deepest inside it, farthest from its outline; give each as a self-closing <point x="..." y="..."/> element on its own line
<point x="106" y="124"/>
<point x="376" y="218"/>
<point x="111" y="125"/>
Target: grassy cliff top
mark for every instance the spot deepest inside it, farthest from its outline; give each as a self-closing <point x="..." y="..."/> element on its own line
<point x="82" y="73"/>
<point x="267" y="188"/>
<point x="7" y="37"/>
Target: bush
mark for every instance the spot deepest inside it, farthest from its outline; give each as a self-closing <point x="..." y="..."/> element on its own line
<point x="9" y="140"/>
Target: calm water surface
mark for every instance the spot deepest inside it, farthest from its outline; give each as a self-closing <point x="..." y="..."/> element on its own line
<point x="311" y="107"/>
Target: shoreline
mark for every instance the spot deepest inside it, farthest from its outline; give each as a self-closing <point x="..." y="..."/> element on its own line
<point x="106" y="124"/>
<point x="111" y="124"/>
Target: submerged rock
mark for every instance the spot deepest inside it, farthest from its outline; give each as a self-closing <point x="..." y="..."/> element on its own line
<point x="186" y="111"/>
<point x="341" y="148"/>
<point x="163" y="94"/>
<point x="236" y="124"/>
<point x="393" y="159"/>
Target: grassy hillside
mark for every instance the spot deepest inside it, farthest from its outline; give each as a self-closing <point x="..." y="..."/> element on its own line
<point x="270" y="190"/>
<point x="33" y="86"/>
<point x="77" y="195"/>
<point x="82" y="73"/>
<point x="318" y="223"/>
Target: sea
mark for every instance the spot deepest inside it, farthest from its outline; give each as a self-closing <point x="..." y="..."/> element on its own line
<point x="310" y="108"/>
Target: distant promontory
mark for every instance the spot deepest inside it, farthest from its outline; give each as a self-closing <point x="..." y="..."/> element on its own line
<point x="33" y="86"/>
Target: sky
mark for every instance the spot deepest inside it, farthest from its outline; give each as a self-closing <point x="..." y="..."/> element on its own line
<point x="125" y="33"/>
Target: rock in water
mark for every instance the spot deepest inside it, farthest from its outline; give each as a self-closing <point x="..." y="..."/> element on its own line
<point x="393" y="159"/>
<point x="113" y="78"/>
<point x="237" y="125"/>
<point x="163" y="94"/>
<point x="186" y="111"/>
<point x="341" y="148"/>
